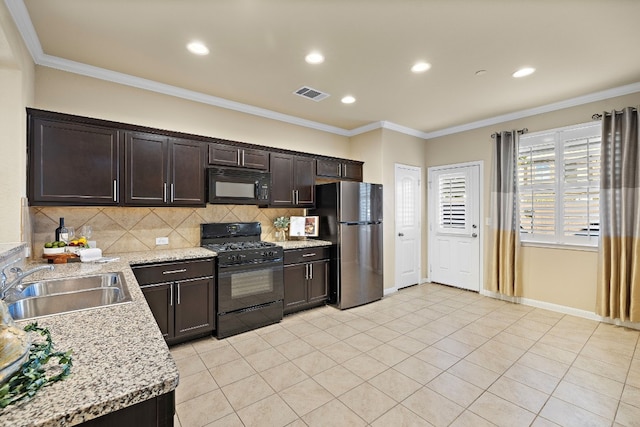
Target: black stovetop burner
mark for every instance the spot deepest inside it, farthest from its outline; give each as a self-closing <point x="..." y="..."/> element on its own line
<point x="238" y="243"/>
<point x="238" y="246"/>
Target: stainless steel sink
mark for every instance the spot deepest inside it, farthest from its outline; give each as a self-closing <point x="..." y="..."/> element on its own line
<point x="71" y="284"/>
<point x="55" y="296"/>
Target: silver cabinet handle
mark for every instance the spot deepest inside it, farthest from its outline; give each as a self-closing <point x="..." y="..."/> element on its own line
<point x="339" y="169"/>
<point x="306" y="272"/>
<point x="171" y="295"/>
<point x="164" y="192"/>
<point x="307" y="255"/>
<point x="178" y="292"/>
<point x="115" y="190"/>
<point x="182" y="270"/>
<point x="172" y="193"/>
<point x="242" y="157"/>
<point x="238" y="157"/>
<point x="310" y="271"/>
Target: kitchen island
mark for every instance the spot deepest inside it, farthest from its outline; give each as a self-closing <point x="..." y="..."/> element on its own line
<point x="120" y="358"/>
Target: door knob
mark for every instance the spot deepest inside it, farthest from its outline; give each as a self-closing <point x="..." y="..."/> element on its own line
<point x="400" y="234"/>
<point x="474" y="235"/>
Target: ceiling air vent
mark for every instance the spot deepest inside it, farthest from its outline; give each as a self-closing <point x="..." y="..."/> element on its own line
<point x="311" y="93"/>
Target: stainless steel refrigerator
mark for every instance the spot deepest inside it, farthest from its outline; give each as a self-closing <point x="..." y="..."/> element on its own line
<point x="351" y="218"/>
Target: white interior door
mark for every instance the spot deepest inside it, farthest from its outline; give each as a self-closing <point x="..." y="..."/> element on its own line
<point x="407" y="226"/>
<point x="454" y="226"/>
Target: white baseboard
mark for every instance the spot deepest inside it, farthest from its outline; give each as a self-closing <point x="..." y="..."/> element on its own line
<point x="560" y="309"/>
<point x="389" y="291"/>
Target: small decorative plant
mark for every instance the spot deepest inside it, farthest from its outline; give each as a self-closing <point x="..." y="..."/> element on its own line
<point x="281" y="223"/>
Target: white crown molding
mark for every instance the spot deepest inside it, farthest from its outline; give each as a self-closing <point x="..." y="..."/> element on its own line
<point x="150" y="85"/>
<point x="21" y="17"/>
<point x="365" y="128"/>
<point x="567" y="103"/>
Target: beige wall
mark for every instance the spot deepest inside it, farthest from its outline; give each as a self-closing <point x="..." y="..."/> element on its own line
<point x="558" y="276"/>
<point x="381" y="150"/>
<point x="16" y="92"/>
<point x="85" y="96"/>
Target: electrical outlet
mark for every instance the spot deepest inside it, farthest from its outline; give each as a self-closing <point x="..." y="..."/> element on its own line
<point x="162" y="241"/>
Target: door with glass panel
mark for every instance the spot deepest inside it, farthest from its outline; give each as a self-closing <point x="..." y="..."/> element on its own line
<point x="454" y="226"/>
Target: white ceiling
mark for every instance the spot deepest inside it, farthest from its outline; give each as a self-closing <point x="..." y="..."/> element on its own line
<point x="579" y="47"/>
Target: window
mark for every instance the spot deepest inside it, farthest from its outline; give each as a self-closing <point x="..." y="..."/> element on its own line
<point x="559" y="185"/>
<point x="452" y="201"/>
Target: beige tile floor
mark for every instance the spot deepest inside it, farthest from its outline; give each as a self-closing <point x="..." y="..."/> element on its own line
<point x="427" y="355"/>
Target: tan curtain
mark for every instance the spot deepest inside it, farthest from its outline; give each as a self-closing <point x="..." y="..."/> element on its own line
<point x="619" y="255"/>
<point x="504" y="274"/>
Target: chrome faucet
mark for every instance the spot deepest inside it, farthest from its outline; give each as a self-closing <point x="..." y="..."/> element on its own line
<point x="20" y="275"/>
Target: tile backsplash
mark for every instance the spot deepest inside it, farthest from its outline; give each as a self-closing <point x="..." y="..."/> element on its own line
<point x="120" y="229"/>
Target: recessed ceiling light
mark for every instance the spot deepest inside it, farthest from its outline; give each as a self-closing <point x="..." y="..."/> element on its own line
<point x="198" y="48"/>
<point x="420" y="67"/>
<point x="314" y="58"/>
<point x="523" y="72"/>
<point x="348" y="99"/>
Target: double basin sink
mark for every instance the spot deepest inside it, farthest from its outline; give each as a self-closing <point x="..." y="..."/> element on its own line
<point x="46" y="297"/>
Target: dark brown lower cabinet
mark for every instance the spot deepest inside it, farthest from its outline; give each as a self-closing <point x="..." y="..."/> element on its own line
<point x="306" y="278"/>
<point x="181" y="296"/>
<point x="155" y="412"/>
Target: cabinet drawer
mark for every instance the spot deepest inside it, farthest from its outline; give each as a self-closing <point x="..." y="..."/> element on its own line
<point x="172" y="271"/>
<point x="295" y="256"/>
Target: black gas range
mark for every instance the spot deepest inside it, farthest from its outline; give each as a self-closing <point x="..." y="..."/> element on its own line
<point x="249" y="277"/>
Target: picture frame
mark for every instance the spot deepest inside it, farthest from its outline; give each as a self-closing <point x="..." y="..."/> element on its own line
<point x="303" y="226"/>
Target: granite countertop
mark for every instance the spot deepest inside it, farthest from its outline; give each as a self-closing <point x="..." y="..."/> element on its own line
<point x="300" y="244"/>
<point x="119" y="355"/>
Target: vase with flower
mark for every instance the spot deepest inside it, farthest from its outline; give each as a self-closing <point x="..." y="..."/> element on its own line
<point x="281" y="224"/>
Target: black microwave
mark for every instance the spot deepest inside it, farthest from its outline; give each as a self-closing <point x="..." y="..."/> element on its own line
<point x="238" y="186"/>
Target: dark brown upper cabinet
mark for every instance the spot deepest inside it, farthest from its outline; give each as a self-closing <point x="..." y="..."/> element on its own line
<point x="341" y="169"/>
<point x="230" y="155"/>
<point x="163" y="171"/>
<point x="293" y="180"/>
<point x="72" y="163"/>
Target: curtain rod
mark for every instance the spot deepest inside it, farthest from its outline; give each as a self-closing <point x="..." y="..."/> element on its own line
<point x="520" y="132"/>
<point x="598" y="116"/>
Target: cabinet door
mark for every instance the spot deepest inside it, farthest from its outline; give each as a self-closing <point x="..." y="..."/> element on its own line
<point x="304" y="181"/>
<point x="295" y="286"/>
<point x="146" y="169"/>
<point x="72" y="163"/>
<point x="329" y="168"/>
<point x="224" y="155"/>
<point x="352" y="171"/>
<point x="281" y="179"/>
<point x="318" y="280"/>
<point x="194" y="302"/>
<point x="187" y="173"/>
<point x="160" y="300"/>
<point x="255" y="159"/>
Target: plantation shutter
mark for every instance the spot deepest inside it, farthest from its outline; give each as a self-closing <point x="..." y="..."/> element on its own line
<point x="559" y="185"/>
<point x="537" y="187"/>
<point x="581" y="187"/>
<point x="452" y="212"/>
